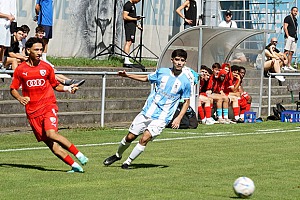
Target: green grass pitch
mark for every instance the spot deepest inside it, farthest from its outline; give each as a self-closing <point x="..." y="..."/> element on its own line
<point x="190" y="164"/>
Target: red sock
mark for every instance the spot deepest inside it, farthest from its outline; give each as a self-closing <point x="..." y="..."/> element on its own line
<point x="73" y="149"/>
<point x="201" y="112"/>
<point x="236" y="111"/>
<point x="68" y="160"/>
<point x="248" y="107"/>
<point x="207" y="111"/>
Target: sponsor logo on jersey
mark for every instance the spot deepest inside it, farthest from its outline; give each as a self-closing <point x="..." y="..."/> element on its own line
<point x="25" y="73"/>
<point x="35" y="83"/>
<point x="43" y="72"/>
<point x="54" y="112"/>
<point x="53" y="121"/>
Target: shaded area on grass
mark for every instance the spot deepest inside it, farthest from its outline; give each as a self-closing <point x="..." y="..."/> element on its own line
<point x="24" y="166"/>
<point x="143" y="165"/>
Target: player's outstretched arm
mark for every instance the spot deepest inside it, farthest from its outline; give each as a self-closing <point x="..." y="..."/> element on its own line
<point x="62" y="88"/>
<point x="137" y="77"/>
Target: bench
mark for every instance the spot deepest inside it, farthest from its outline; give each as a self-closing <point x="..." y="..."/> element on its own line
<point x="4" y="75"/>
<point x="292" y="88"/>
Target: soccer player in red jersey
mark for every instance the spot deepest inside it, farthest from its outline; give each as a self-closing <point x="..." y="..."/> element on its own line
<point x="231" y="86"/>
<point x="215" y="91"/>
<point x="38" y="83"/>
<point x="204" y="103"/>
<point x="220" y="87"/>
<point x="245" y="100"/>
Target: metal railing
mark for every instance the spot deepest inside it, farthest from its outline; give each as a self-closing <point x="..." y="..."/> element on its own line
<point x="270" y="86"/>
<point x="102" y="74"/>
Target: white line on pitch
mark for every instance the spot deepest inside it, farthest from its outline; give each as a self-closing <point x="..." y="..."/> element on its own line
<point x="221" y="134"/>
<point x="193" y="133"/>
<point x="270" y="130"/>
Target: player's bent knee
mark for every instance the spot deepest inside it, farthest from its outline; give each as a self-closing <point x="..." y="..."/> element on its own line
<point x="145" y="138"/>
<point x="129" y="138"/>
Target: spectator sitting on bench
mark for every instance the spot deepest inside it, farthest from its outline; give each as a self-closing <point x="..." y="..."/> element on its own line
<point x="13" y="56"/>
<point x="26" y="31"/>
<point x="272" y="63"/>
<point x="283" y="59"/>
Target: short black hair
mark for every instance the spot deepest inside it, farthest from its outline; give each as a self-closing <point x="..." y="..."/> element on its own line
<point x="18" y="29"/>
<point x="25" y="28"/>
<point x="216" y="65"/>
<point x="293" y="8"/>
<point x="242" y="68"/>
<point x="203" y="67"/>
<point x="180" y="53"/>
<point x="235" y="68"/>
<point x="39" y="28"/>
<point x="31" y="41"/>
<point x="210" y="71"/>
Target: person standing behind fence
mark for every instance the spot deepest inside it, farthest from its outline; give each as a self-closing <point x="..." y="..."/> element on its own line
<point x="190" y="13"/>
<point x="44" y="17"/>
<point x="7" y="8"/>
<point x="290" y="34"/>
<point x="237" y="57"/>
<point x="130" y="23"/>
<point x="228" y="22"/>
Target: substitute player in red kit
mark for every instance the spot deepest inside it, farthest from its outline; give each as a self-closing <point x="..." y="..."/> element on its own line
<point x="38" y="83"/>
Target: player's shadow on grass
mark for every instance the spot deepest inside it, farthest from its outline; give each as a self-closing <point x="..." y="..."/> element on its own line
<point x="140" y="166"/>
<point x="136" y="166"/>
<point x="29" y="167"/>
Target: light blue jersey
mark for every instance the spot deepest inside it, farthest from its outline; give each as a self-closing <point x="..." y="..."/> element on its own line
<point x="164" y="99"/>
<point x="46" y="13"/>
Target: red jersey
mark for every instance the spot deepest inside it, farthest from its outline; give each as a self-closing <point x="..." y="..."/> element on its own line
<point x="203" y="86"/>
<point x="228" y="85"/>
<point x="211" y="82"/>
<point x="37" y="83"/>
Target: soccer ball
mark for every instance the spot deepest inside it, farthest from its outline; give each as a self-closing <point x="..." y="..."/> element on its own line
<point x="243" y="187"/>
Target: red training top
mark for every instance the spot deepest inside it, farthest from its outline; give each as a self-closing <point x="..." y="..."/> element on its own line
<point x="37" y="83"/>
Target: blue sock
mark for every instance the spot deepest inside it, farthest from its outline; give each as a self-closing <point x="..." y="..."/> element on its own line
<point x="219" y="113"/>
<point x="225" y="112"/>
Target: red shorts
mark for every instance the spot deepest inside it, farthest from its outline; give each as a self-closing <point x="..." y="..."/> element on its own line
<point x="203" y="93"/>
<point x="47" y="121"/>
<point x="243" y="102"/>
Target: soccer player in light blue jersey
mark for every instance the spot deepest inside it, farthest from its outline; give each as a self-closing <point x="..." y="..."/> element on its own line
<point x="171" y="85"/>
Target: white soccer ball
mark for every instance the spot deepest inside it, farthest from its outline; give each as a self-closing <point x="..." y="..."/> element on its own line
<point x="243" y="187"/>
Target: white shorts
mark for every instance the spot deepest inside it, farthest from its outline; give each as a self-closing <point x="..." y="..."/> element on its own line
<point x="142" y="123"/>
<point x="5" y="36"/>
<point x="290" y="44"/>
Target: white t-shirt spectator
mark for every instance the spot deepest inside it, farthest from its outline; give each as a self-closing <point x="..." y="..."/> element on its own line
<point x="231" y="24"/>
